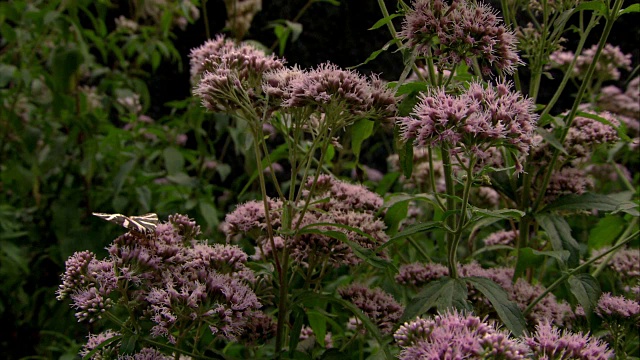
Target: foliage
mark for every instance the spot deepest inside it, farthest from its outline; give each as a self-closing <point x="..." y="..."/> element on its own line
<point x="477" y="200"/>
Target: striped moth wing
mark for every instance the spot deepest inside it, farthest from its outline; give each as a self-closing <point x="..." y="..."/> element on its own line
<point x="143" y="224"/>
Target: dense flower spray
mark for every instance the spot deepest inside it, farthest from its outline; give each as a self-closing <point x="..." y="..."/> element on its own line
<point x="172" y="282"/>
<point x="455" y="335"/>
<point x="333" y="202"/>
<point x="548" y="342"/>
<point x="463" y="30"/>
<point x="474" y="121"/>
<point x="376" y="304"/>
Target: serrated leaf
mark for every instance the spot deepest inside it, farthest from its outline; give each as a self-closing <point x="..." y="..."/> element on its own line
<point x="586" y="290"/>
<point x="507" y="310"/>
<point x="443" y="294"/>
<point x="360" y="131"/>
<point x="559" y="233"/>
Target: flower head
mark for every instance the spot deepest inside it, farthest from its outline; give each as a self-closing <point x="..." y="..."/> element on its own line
<point x="549" y="342"/>
<point x="329" y="89"/>
<point x="475" y="120"/>
<point x="464" y="30"/>
<point x="617" y="306"/>
<point x="379" y="306"/>
<point x="232" y="77"/>
<point x="455" y="335"/>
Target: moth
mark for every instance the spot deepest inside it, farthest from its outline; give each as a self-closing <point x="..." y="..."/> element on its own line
<point x="144" y="224"/>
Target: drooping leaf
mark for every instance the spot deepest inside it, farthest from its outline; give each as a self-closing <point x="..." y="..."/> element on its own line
<point x="559" y="233"/>
<point x="586" y="290"/>
<point x="360" y="131"/>
<point x="507" y="310"/>
<point x="591" y="201"/>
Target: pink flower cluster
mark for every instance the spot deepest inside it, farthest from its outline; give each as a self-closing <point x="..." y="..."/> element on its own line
<point x="610" y="61"/>
<point x="477" y="119"/>
<point x="501" y="237"/>
<point x="376" y="304"/>
<point x="456" y="336"/>
<point x="327" y="89"/>
<point x="610" y="306"/>
<point x="548" y="342"/>
<point x="231" y="74"/>
<point x="464" y="30"/>
<point x="171" y="281"/>
<point x="333" y="202"/>
<point x="626" y="105"/>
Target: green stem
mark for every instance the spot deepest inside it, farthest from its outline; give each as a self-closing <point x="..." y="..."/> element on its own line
<point x="564" y="277"/>
<point x="574" y="109"/>
<point x="450" y="220"/>
<point x="205" y="17"/>
<point x="458" y="232"/>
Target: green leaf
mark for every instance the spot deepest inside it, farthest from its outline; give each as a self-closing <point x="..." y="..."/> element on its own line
<point x="590" y="201"/>
<point x="506" y="214"/>
<point x="412" y="87"/>
<point x="443" y="294"/>
<point x="551" y="139"/>
<point x="507" y="310"/>
<point x="173" y="160"/>
<point x="360" y="131"/>
<point x="530" y="258"/>
<point x="559" y="233"/>
<point x="394" y="215"/>
<point x="384" y="21"/>
<point x="586" y="290"/>
<point x="411" y="230"/>
<point x="605" y="231"/>
<point x="406" y="159"/>
<point x="318" y="323"/>
<point x="384" y="186"/>
<point x="596" y="5"/>
<point x="128" y="344"/>
<point x="65" y="64"/>
<point x="375" y="54"/>
<point x="630" y="9"/>
<point x="296" y="29"/>
<point x="123" y="173"/>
